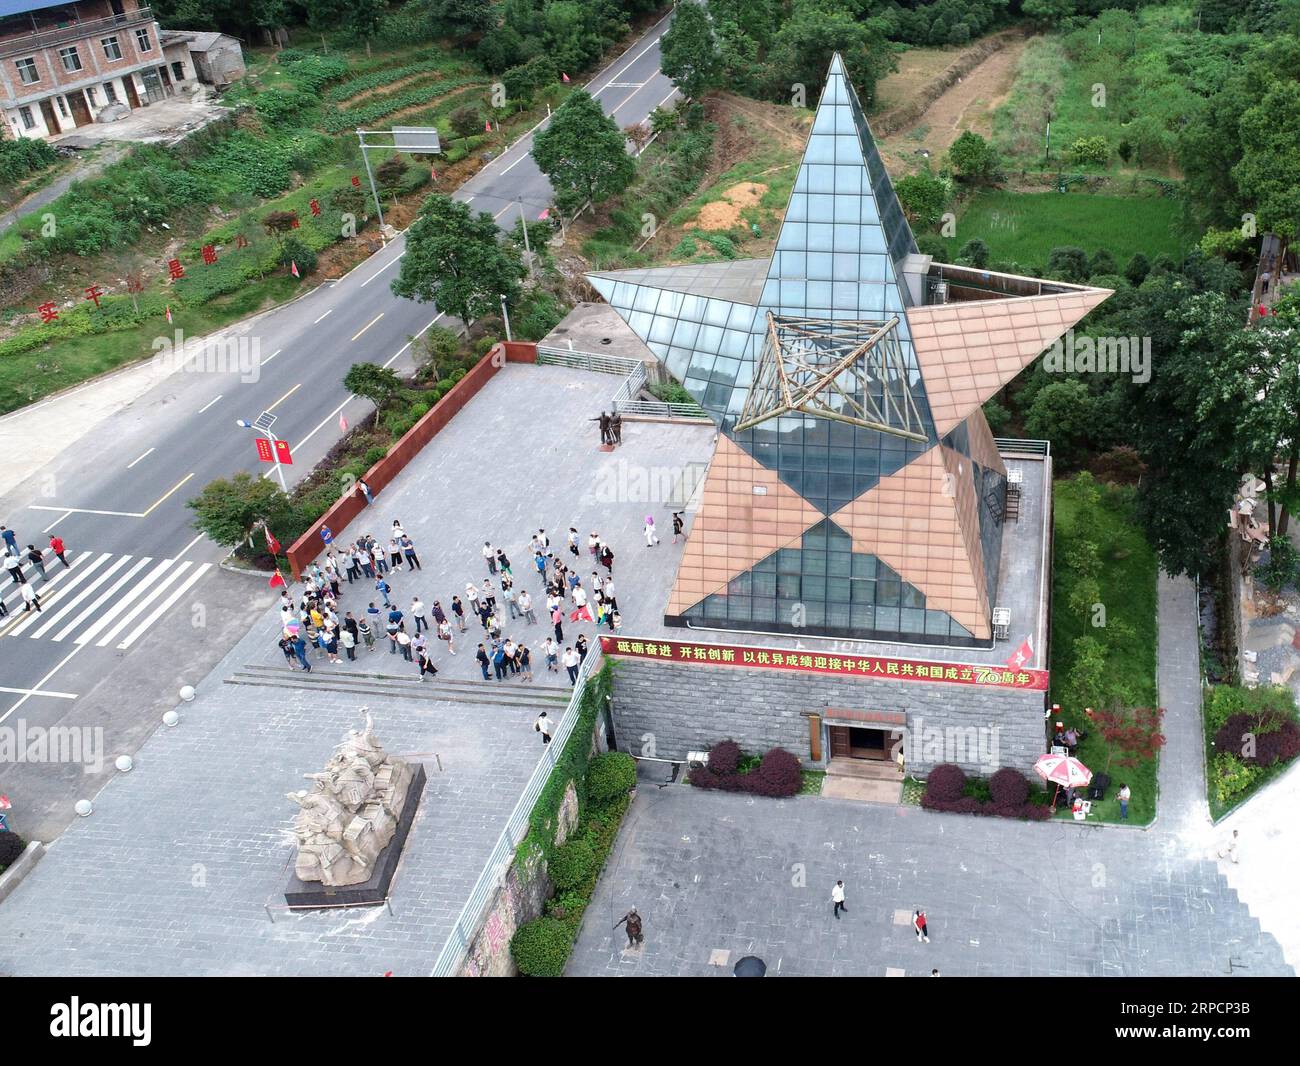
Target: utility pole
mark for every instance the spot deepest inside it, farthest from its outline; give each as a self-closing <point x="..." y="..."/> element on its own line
<point x="523" y="223"/>
<point x="505" y="315"/>
<point x="365" y="158"/>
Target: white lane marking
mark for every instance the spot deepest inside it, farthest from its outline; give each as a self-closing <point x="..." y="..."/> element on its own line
<point x="416" y="337"/>
<point x="326" y="314"/>
<point x="158" y="590"/>
<point x="386" y="266"/>
<point x="512" y="166"/>
<point x="666" y="98"/>
<point x="121" y="605"/>
<point x="106" y="597"/>
<point x="189" y="546"/>
<point x="629" y="63"/>
<point x="56" y="521"/>
<point x="368" y="325"/>
<point x="83" y="510"/>
<point x="83" y="572"/>
<point x="162" y="608"/>
<point x="66" y="605"/>
<point x="40" y="692"/>
<point x="40" y="684"/>
<point x="270" y="357"/>
<point x="145" y="456"/>
<point x="209" y="404"/>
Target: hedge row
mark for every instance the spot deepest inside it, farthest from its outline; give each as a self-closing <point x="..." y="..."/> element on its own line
<point x="1008" y="789"/>
<point x="115" y="313"/>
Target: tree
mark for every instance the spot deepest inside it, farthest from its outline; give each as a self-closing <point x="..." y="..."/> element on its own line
<point x="1138" y="268"/>
<point x="1102" y="262"/>
<point x="294" y="252"/>
<point x="363" y="17"/>
<point x="434" y="351"/>
<point x="375" y="383"/>
<point x="1048" y="12"/>
<point x="974" y="253"/>
<point x="583" y="153"/>
<point x="390" y="172"/>
<point x="923" y="198"/>
<point x="801" y="50"/>
<point x="1062" y="412"/>
<point x="1067" y="263"/>
<point x="973" y="159"/>
<point x="466" y="120"/>
<point x="457" y="259"/>
<point x="460" y="20"/>
<point x="523" y="82"/>
<point x="279" y="222"/>
<point x="1266" y="175"/>
<point x="688" y="51"/>
<point x="228" y="509"/>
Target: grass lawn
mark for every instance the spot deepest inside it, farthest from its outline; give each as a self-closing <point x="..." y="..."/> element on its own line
<point x="1023" y="228"/>
<point x="1127" y="582"/>
<point x="28" y="377"/>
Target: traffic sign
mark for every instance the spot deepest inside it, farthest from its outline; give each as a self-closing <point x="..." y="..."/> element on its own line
<point x="264" y="450"/>
<point x="282" y="452"/>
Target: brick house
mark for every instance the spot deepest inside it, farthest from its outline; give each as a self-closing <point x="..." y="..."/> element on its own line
<point x="62" y="65"/>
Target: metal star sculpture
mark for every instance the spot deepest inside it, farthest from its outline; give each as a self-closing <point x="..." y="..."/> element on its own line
<point x="856" y="489"/>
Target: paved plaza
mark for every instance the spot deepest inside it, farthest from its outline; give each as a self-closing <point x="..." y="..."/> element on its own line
<point x="182" y="867"/>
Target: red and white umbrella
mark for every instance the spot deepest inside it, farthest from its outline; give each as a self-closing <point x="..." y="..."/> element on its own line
<point x="1062" y="770"/>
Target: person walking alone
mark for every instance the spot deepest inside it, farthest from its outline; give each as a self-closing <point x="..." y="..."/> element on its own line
<point x="543" y="726"/>
<point x="837" y="897"/>
<point x="1125" y="794"/>
<point x="56" y="546"/>
<point x="10" y="538"/>
<point x="651" y="537"/>
<point x="633" y="920"/>
<point x="919" y="924"/>
<point x="572" y="660"/>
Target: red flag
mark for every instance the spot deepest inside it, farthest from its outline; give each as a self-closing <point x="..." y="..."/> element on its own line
<point x="293" y="268"/>
<point x="546" y="213"/>
<point x="433" y="174"/>
<point x="1024" y="654"/>
<point x="4" y="803"/>
<point x="564" y="76"/>
<point x="343" y="423"/>
<point x="277" y="580"/>
<point x="272" y="545"/>
<point x="487" y="126"/>
<point x="169" y="313"/>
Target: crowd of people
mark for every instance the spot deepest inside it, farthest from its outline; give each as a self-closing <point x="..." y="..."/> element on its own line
<point x="316" y="625"/>
<point x="16" y="557"/>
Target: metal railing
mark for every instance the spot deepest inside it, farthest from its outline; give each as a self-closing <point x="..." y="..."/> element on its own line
<point x="73" y="32"/>
<point x="1023" y="447"/>
<point x="599" y="364"/>
<point x="626" y="398"/>
<point x="470" y="920"/>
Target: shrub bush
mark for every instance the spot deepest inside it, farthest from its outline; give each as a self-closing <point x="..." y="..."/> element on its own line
<point x="779" y="774"/>
<point x="609" y="776"/>
<point x="567" y="907"/>
<point x="572" y="864"/>
<point x="724" y="757"/>
<point x="1276" y="738"/>
<point x="945" y="783"/>
<point x="541" y="948"/>
<point x="11" y="846"/>
<point x="1008" y="788"/>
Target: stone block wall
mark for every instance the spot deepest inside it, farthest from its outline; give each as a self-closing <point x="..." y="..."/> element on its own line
<point x="665" y="710"/>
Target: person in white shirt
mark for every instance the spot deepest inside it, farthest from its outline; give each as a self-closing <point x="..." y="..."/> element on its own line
<point x="551" y="650"/>
<point x="525" y="604"/>
<point x="571" y="659"/>
<point x="543" y="726"/>
<point x="837" y="897"/>
<point x="651" y="537"/>
<point x="490" y="556"/>
<point x="417" y="612"/>
<point x="593" y="543"/>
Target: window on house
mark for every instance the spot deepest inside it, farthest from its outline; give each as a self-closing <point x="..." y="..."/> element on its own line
<point x="27" y="71"/>
<point x="112" y="49"/>
<point x="178" y="71"/>
<point x="63" y="107"/>
<point x="25" y="113"/>
<point x="70" y="58"/>
<point x="90" y="95"/>
<point x="110" y="92"/>
<point x="142" y="40"/>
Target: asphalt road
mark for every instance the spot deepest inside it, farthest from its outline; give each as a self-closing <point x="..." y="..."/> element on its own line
<point x="144" y="604"/>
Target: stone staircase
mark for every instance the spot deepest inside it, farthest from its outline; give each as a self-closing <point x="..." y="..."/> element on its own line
<point x="551" y="698"/>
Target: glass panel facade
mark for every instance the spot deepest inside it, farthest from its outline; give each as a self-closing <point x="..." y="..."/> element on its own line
<point x="823" y="586"/>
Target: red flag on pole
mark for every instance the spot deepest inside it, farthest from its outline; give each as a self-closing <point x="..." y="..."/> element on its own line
<point x="433" y="173"/>
<point x="1023" y="655"/>
<point x="272" y="545"/>
<point x="564" y="76"/>
<point x="546" y="213"/>
<point x="293" y="268"/>
<point x="487" y="126"/>
<point x="277" y="580"/>
<point x="169" y="313"/>
<point x="343" y="423"/>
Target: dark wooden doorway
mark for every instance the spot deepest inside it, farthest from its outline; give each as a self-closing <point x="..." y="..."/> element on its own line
<point x="166" y="80"/>
<point x="51" y="123"/>
<point x="132" y="98"/>
<point x="80" y="111"/>
<point x="854" y="742"/>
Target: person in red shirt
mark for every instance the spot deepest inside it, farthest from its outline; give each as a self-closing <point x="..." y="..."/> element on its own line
<point x="919" y="924"/>
<point x="56" y="546"/>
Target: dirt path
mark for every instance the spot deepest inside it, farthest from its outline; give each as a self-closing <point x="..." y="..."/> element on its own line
<point x="968" y="104"/>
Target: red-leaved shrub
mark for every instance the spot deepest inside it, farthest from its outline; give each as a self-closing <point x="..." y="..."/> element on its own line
<point x="945" y="783"/>
<point x="724" y="757"/>
<point x="779" y="774"/>
<point x="1275" y="735"/>
<point x="1008" y="788"/>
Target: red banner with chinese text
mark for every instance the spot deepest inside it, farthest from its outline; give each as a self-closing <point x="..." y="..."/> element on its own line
<point x="733" y="655"/>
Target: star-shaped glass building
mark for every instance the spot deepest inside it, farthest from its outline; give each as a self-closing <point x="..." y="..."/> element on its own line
<point x="856" y="489"/>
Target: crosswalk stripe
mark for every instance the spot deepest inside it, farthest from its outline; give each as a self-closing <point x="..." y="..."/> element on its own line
<point x="78" y="576"/>
<point x="159" y="589"/>
<point x="162" y="608"/>
<point x="107" y="596"/>
<point x="66" y="605"/>
<point x="106" y="619"/>
<point x="12" y="593"/>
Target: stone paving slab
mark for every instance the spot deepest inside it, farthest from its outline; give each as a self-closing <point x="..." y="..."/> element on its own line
<point x="710" y="871"/>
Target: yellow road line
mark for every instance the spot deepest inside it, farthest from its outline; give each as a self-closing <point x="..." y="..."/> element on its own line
<point x="369" y="324"/>
<point x="164" y="496"/>
<point x="285" y="397"/>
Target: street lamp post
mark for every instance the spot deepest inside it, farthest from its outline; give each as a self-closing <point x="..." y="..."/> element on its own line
<point x="505" y="315"/>
<point x="243" y="423"/>
<point x="523" y="224"/>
